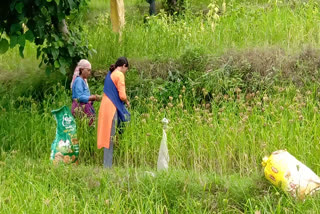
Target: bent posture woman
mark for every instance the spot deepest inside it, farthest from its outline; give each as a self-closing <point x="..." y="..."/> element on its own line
<point x="81" y="97"/>
<point x="112" y="109"/>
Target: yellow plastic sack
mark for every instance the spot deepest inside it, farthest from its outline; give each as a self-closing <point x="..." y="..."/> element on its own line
<point x="117" y="15"/>
<point x="286" y="172"/>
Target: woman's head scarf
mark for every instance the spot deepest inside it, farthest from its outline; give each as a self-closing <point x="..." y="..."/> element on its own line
<point x="81" y="64"/>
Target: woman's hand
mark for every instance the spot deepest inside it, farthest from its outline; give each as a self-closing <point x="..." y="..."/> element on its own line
<point x="128" y="103"/>
<point x="92" y="97"/>
<point x="98" y="97"/>
<point x="95" y="98"/>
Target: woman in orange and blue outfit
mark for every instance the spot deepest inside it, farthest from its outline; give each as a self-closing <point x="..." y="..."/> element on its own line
<point x="112" y="108"/>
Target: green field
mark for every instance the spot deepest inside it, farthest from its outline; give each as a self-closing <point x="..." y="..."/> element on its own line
<point x="236" y="84"/>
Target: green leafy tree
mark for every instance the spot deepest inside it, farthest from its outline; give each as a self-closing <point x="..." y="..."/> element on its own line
<point x="44" y="23"/>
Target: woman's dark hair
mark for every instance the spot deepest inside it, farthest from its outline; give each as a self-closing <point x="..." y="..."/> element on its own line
<point x="120" y="62"/>
<point x="80" y="71"/>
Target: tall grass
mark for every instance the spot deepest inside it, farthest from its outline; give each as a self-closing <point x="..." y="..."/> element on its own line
<point x="289" y="26"/>
<point x="222" y="123"/>
<point x="33" y="186"/>
<point x="229" y="134"/>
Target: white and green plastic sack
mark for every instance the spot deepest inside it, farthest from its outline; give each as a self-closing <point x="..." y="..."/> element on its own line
<point x="65" y="147"/>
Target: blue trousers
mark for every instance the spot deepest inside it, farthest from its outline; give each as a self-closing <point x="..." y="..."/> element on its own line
<point x="108" y="153"/>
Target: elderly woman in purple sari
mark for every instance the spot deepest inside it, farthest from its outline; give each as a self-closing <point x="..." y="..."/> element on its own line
<point x="82" y="100"/>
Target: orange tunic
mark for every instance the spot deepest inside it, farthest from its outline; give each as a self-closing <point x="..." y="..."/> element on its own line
<point x="108" y="109"/>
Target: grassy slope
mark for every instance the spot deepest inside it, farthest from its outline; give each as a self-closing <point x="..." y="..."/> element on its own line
<point x="229" y="140"/>
<point x="215" y="157"/>
<point x="243" y="25"/>
<point x="38" y="187"/>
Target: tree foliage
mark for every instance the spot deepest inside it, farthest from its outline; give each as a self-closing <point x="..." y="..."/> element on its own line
<point x="173" y="6"/>
<point x="43" y="22"/>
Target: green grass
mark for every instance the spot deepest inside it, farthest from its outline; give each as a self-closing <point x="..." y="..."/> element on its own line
<point x="215" y="155"/>
<point x="30" y="186"/>
<point x="226" y="135"/>
<point x="290" y="25"/>
<point x="217" y="136"/>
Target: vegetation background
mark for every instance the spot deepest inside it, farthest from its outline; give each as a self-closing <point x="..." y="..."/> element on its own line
<point x="237" y="80"/>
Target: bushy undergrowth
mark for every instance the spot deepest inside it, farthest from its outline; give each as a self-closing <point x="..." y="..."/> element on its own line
<point x="250" y="70"/>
